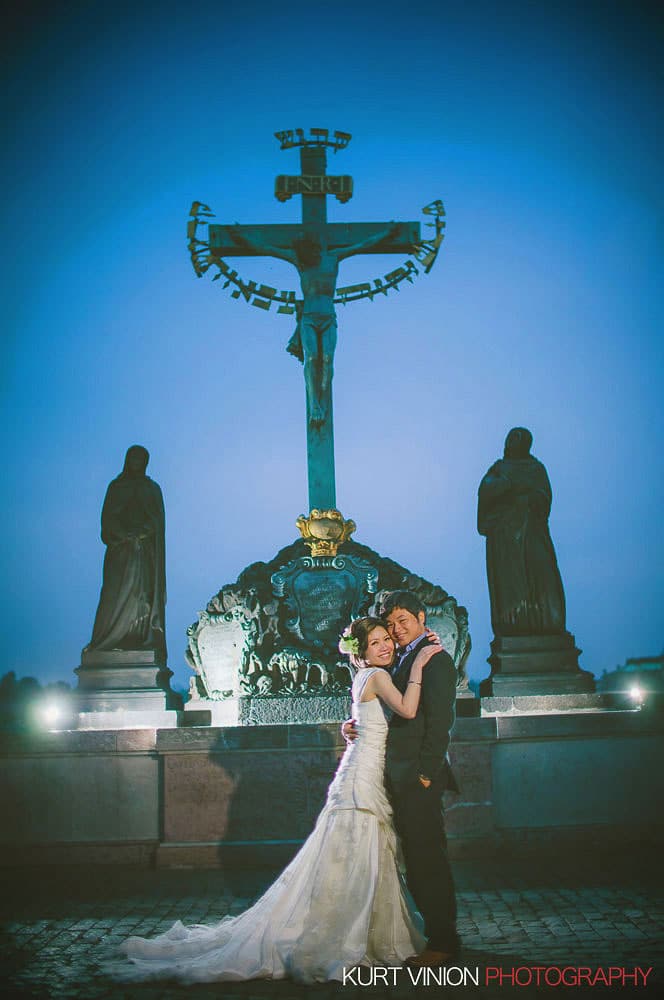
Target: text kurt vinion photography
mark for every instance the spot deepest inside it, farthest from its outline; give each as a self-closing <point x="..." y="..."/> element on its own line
<point x="492" y="975"/>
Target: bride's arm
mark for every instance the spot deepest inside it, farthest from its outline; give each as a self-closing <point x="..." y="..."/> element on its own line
<point x="405" y="704"/>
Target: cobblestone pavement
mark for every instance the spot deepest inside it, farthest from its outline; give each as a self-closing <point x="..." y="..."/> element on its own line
<point x="586" y="911"/>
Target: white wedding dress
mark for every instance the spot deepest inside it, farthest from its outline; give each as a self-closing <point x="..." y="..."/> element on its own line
<point x="339" y="903"/>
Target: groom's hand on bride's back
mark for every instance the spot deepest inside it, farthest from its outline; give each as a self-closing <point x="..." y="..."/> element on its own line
<point x="349" y="730"/>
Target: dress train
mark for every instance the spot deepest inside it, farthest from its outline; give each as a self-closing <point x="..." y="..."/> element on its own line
<point x="340" y="902"/>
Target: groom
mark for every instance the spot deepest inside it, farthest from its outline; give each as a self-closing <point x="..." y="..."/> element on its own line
<point x="417" y="772"/>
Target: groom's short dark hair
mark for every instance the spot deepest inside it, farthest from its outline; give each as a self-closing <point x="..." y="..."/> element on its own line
<point x="405" y="599"/>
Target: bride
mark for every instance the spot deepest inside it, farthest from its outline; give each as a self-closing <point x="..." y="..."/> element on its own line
<point x="340" y="902"/>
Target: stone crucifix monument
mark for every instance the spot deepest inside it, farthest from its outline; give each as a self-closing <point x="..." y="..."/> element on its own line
<point x="315" y="248"/>
<point x="265" y="648"/>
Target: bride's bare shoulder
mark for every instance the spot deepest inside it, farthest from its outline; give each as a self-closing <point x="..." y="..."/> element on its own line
<point x="364" y="684"/>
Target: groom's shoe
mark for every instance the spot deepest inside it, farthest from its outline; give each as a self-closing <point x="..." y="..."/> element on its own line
<point x="431" y="959"/>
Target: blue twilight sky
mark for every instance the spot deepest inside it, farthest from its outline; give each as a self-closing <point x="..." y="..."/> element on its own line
<point x="538" y="124"/>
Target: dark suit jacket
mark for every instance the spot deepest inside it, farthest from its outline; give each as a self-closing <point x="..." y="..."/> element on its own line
<point x="419" y="746"/>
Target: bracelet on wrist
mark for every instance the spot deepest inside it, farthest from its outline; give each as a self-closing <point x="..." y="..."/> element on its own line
<point x="419" y="683"/>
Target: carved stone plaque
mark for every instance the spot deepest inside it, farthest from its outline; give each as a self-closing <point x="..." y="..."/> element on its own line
<point x="218" y="650"/>
<point x="321" y="594"/>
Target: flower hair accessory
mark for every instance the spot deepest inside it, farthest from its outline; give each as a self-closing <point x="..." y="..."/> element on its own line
<point x="348" y="643"/>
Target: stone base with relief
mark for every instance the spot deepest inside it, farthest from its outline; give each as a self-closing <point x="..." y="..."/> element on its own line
<point x="536" y="665"/>
<point x="264" y="649"/>
<point x="125" y="689"/>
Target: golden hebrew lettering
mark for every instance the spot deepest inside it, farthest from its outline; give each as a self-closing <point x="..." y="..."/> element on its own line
<point x="198" y="208"/>
<point x="424" y="251"/>
<point x="320" y="134"/>
<point x="245" y="289"/>
<point x="342" y="140"/>
<point x="434" y="208"/>
<point x="317" y="137"/>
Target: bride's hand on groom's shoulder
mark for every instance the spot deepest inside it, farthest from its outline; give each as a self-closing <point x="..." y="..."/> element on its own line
<point x="428" y="651"/>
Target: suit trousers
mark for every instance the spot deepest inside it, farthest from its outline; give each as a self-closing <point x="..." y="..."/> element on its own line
<point x="418" y="817"/>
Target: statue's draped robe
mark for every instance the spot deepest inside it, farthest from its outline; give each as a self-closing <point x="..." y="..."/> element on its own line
<point x="525" y="588"/>
<point x="131" y="610"/>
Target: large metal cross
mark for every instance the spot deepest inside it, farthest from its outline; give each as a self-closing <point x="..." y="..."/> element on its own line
<point x="315" y="247"/>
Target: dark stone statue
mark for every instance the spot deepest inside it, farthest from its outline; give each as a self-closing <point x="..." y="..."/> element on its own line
<point x="131" y="612"/>
<point x="514" y="502"/>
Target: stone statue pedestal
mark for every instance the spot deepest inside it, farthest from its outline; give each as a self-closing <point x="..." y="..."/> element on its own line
<point x="124" y="689"/>
<point x="535" y="665"/>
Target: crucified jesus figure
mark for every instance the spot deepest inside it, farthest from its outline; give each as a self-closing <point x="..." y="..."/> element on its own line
<point x="315" y="337"/>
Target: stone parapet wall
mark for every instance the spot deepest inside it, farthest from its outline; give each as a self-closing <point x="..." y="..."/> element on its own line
<point x="249" y="795"/>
